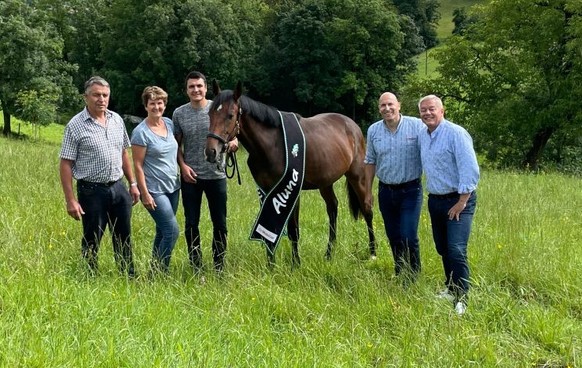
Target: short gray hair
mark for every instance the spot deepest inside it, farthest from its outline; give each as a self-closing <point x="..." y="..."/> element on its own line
<point x="95" y="80"/>
<point x="431" y="97"/>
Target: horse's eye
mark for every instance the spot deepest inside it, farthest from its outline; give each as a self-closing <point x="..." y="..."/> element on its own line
<point x="230" y="116"/>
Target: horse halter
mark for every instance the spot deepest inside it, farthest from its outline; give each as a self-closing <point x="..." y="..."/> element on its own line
<point x="229" y="135"/>
<point x="230" y="161"/>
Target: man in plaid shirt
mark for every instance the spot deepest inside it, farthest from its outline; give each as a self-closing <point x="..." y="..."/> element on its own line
<point x="94" y="152"/>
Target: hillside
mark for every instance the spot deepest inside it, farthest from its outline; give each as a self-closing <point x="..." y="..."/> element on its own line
<point x="426" y="64"/>
<point x="447" y="7"/>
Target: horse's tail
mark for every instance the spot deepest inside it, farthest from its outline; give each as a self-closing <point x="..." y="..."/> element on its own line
<point x="355" y="208"/>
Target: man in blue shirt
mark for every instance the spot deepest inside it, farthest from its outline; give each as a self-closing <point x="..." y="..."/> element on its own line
<point x="452" y="173"/>
<point x="393" y="155"/>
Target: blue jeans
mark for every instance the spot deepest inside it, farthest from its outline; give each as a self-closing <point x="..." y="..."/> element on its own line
<point x="106" y="205"/>
<point x="400" y="206"/>
<point x="167" y="229"/>
<point x="451" y="238"/>
<point x="215" y="191"/>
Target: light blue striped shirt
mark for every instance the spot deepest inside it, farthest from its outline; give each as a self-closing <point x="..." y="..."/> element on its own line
<point x="396" y="155"/>
<point x="449" y="160"/>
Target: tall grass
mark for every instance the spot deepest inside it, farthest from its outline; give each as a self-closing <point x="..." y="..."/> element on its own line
<point x="525" y="307"/>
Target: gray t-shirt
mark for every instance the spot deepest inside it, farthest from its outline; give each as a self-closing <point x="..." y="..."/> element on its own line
<point x="193" y="125"/>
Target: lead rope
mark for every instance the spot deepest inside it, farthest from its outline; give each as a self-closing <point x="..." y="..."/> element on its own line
<point x="231" y="162"/>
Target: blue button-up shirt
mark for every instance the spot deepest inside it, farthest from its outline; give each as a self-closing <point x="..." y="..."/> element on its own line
<point x="449" y="160"/>
<point x="395" y="154"/>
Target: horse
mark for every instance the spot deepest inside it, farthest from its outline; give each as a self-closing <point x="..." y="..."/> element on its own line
<point x="334" y="147"/>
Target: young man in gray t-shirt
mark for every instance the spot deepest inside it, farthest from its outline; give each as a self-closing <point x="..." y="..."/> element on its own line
<point x="199" y="176"/>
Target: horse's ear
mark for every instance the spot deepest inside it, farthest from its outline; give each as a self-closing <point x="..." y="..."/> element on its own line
<point x="215" y="87"/>
<point x="238" y="91"/>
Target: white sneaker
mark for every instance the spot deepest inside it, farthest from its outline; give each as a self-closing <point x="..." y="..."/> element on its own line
<point x="445" y="294"/>
<point x="460" y="308"/>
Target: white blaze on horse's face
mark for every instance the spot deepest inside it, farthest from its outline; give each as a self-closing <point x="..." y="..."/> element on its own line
<point x="219" y="107"/>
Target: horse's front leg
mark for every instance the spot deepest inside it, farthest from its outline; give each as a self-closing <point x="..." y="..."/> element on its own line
<point x="293" y="234"/>
<point x="270" y="257"/>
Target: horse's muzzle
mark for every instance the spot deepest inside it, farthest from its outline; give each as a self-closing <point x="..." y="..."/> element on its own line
<point x="210" y="154"/>
<point x="211" y="151"/>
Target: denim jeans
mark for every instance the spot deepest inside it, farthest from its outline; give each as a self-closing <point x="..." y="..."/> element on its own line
<point x="167" y="229"/>
<point x="400" y="207"/>
<point x="215" y="191"/>
<point x="106" y="206"/>
<point x="451" y="238"/>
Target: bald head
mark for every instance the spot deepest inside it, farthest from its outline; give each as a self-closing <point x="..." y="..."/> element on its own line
<point x="387" y="96"/>
<point x="389" y="108"/>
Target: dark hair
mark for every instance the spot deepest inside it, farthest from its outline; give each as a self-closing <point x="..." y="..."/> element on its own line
<point x="195" y="75"/>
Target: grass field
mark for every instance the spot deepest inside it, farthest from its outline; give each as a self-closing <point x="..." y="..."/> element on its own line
<point x="525" y="308"/>
<point x="426" y="62"/>
<point x="446" y="25"/>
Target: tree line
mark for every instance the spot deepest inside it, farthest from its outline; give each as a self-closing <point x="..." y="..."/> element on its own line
<point x="510" y="73"/>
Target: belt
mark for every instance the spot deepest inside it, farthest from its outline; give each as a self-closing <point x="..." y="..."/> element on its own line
<point x="401" y="185"/>
<point x="445" y="196"/>
<point x="90" y="183"/>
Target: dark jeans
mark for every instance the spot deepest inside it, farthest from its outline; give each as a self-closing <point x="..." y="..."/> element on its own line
<point x="400" y="206"/>
<point x="215" y="191"/>
<point x="451" y="238"/>
<point x="106" y="205"/>
<point x="167" y="229"/>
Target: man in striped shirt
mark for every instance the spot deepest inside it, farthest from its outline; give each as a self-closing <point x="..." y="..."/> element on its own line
<point x="452" y="173"/>
<point x="94" y="152"/>
<point x="393" y="155"/>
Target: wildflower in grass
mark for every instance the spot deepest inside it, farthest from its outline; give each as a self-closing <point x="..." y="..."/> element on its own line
<point x="566" y="219"/>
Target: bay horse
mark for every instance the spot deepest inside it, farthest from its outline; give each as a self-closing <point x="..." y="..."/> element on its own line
<point x="334" y="147"/>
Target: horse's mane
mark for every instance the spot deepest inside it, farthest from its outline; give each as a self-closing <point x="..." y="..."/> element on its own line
<point x="259" y="111"/>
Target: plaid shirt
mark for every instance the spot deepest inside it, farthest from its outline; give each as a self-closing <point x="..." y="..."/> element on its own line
<point x="95" y="150"/>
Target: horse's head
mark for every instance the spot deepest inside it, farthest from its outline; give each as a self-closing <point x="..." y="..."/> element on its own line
<point x="224" y="121"/>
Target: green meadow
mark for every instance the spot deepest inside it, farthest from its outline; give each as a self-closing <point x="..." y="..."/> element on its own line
<point x="525" y="308"/>
<point x="426" y="62"/>
<point x="446" y="9"/>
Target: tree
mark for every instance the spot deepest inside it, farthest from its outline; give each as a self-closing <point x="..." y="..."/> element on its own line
<point x="515" y="78"/>
<point x="39" y="108"/>
<point x="81" y="24"/>
<point x="425" y="15"/>
<point x="461" y="20"/>
<point x="30" y="62"/>
<point x="139" y="43"/>
<point x="335" y="56"/>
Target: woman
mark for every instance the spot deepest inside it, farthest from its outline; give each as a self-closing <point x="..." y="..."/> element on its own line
<point x="155" y="150"/>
